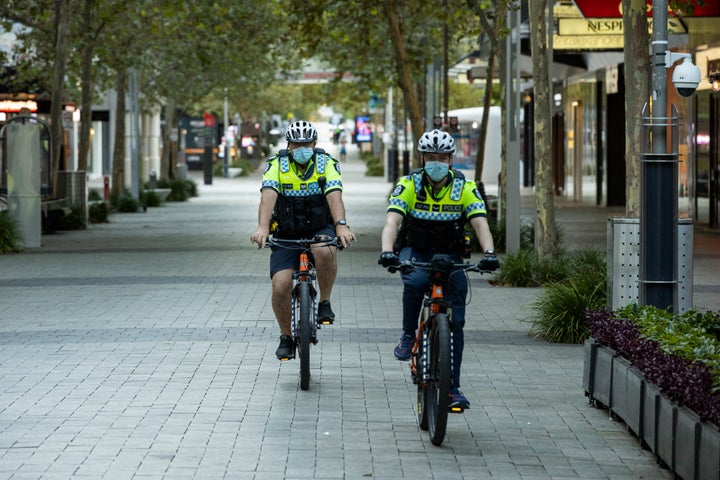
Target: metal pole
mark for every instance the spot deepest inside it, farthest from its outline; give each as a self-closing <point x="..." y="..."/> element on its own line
<point x="512" y="156"/>
<point x="226" y="153"/>
<point x="134" y="135"/>
<point x="658" y="206"/>
<point x="446" y="70"/>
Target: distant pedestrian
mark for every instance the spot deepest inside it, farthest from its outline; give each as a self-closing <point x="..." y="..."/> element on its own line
<point x="343" y="150"/>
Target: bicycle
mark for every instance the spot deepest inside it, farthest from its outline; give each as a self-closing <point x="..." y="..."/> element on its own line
<point x="304" y="297"/>
<point x="431" y="362"/>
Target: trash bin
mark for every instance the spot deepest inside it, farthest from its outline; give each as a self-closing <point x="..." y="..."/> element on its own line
<point x="623" y="262"/>
<point x="23" y="179"/>
<point x="181" y="169"/>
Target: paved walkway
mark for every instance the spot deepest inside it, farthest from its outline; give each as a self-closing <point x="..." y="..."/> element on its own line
<point x="144" y="349"/>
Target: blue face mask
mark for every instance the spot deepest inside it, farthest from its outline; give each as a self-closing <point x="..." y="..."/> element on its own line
<point x="302" y="155"/>
<point x="436" y="170"/>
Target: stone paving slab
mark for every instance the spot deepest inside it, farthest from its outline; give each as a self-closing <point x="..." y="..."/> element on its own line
<point x="144" y="349"/>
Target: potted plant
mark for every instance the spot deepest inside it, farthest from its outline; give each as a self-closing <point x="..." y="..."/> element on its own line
<point x="664" y="381"/>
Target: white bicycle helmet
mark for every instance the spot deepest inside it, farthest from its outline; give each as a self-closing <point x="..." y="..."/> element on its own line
<point x="301" y="131"/>
<point x="436" y="141"/>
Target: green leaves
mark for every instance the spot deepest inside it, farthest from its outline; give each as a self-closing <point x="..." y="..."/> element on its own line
<point x="692" y="335"/>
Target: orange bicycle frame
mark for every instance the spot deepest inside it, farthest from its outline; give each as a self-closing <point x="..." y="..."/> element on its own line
<point x="304" y="266"/>
<point x="436" y="293"/>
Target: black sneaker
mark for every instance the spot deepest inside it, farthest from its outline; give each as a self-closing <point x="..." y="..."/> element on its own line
<point x="404" y="347"/>
<point x="325" y="313"/>
<point x="458" y="402"/>
<point x="286" y="350"/>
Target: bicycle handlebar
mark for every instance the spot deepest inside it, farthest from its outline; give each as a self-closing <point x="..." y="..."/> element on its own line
<point x="407" y="266"/>
<point x="304" y="243"/>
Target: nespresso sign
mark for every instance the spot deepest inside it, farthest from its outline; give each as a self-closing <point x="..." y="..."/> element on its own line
<point x="598" y="33"/>
<point x="605" y="26"/>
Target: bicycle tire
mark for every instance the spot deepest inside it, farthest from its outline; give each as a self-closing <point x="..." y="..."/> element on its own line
<point x="304" y="333"/>
<point x="437" y="391"/>
<point x="421" y="409"/>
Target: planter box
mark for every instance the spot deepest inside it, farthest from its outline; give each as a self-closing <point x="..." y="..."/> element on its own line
<point x="651" y="397"/>
<point x="626" y="394"/>
<point x="665" y="433"/>
<point x="602" y="376"/>
<point x="674" y="433"/>
<point x="234" y="172"/>
<point x="687" y="434"/>
<point x="708" y="457"/>
<point x="162" y="193"/>
<point x="589" y="366"/>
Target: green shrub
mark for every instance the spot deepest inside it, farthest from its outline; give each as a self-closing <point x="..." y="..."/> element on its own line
<point x="191" y="188"/>
<point x="497" y="228"/>
<point x="373" y="163"/>
<point x="579" y="283"/>
<point x="94" y="196"/>
<point x="691" y="335"/>
<point x="125" y="202"/>
<point x="75" y="220"/>
<point x="150" y="198"/>
<point x="10" y="236"/>
<point x="526" y="269"/>
<point x="560" y="311"/>
<point x="247" y="167"/>
<point x="181" y="190"/>
<point x="98" y="212"/>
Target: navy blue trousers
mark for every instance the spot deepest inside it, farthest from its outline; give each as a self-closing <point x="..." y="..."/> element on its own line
<point x="415" y="284"/>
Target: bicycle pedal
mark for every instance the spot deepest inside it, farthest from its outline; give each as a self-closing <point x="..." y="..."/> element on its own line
<point x="285" y="359"/>
<point x="325" y="322"/>
<point x="456" y="410"/>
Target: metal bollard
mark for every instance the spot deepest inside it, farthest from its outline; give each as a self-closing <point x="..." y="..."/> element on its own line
<point x="106" y="188"/>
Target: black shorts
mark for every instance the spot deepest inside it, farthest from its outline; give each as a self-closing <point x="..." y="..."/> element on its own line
<point x="284" y="258"/>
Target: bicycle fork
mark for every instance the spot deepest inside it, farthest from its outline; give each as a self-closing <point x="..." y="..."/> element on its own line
<point x="304" y="275"/>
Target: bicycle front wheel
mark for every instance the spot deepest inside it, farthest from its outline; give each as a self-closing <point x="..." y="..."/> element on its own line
<point x="304" y="332"/>
<point x="437" y="391"/>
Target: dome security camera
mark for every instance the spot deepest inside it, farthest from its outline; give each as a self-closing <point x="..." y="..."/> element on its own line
<point x="686" y="77"/>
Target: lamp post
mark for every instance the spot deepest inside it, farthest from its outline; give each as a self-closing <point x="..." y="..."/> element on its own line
<point x="659" y="177"/>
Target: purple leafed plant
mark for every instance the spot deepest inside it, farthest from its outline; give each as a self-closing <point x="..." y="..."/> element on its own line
<point x="687" y="383"/>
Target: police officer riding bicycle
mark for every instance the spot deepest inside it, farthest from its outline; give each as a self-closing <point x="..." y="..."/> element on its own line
<point x="301" y="196"/>
<point x="427" y="214"/>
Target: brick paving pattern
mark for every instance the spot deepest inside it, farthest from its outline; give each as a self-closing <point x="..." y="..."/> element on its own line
<point x="144" y="349"/>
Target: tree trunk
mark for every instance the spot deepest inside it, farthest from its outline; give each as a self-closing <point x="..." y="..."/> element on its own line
<point x="487" y="102"/>
<point x="545" y="228"/>
<point x="118" y="169"/>
<point x="62" y="18"/>
<point x="403" y="72"/>
<point x="502" y="75"/>
<point x="493" y="34"/>
<point x="637" y="93"/>
<point x="86" y="101"/>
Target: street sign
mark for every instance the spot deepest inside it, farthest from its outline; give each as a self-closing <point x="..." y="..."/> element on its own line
<point x="209" y="119"/>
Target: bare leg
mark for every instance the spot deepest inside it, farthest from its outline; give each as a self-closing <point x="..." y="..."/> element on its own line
<point x="281" y="300"/>
<point x="326" y="263"/>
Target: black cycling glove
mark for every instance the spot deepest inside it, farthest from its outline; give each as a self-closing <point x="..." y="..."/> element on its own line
<point x="489" y="262"/>
<point x="389" y="259"/>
